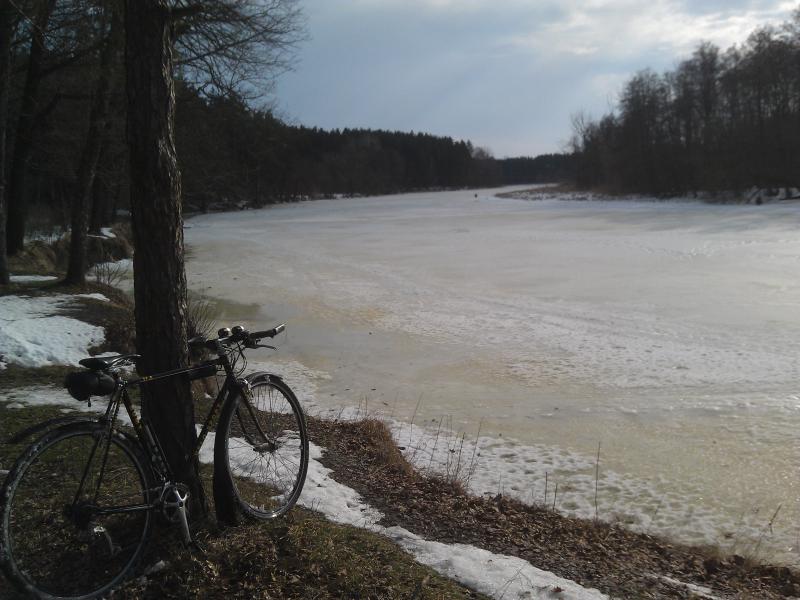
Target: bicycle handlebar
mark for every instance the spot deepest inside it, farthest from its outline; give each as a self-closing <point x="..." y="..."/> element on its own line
<point x="270" y="333"/>
<point x="234" y="335"/>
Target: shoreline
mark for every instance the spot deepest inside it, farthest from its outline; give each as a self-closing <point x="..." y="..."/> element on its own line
<point x="413" y="508"/>
<point x="752" y="197"/>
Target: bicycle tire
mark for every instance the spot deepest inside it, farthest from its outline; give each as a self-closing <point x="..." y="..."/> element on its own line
<point x="51" y="545"/>
<point x="263" y="453"/>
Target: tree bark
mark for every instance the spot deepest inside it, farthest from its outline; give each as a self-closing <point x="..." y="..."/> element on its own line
<point x="87" y="168"/>
<point x="100" y="201"/>
<point x="159" y="275"/>
<point x="23" y="145"/>
<point x="6" y="31"/>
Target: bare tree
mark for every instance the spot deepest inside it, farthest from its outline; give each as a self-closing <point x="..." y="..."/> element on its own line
<point x="7" y="22"/>
<point x="87" y="168"/>
<point x="17" y="208"/>
<point x="239" y="46"/>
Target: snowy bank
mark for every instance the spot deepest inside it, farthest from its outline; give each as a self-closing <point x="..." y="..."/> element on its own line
<point x="33" y="334"/>
<point x="495" y="575"/>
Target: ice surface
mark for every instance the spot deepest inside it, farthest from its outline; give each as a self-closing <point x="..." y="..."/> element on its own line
<point x="666" y="331"/>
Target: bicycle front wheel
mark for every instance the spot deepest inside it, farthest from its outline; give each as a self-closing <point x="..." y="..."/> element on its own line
<point x="68" y="523"/>
<point x="262" y="444"/>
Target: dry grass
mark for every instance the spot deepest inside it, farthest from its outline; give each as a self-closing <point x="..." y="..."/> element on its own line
<point x="593" y="553"/>
<point x="37" y="258"/>
<point x="300" y="556"/>
<point x="377" y="439"/>
<point x="199" y="318"/>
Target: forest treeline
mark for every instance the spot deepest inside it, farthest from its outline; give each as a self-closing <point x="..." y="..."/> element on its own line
<point x="720" y="121"/>
<point x="63" y="118"/>
<point x="229" y="152"/>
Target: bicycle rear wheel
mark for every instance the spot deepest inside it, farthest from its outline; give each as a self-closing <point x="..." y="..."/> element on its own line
<point x="53" y="542"/>
<point x="262" y="444"/>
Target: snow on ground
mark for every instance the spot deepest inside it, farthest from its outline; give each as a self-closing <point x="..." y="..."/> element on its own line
<point x="47" y="236"/>
<point x="31" y="278"/>
<point x="495" y="575"/>
<point x="700" y="591"/>
<point x="52" y="396"/>
<point x="33" y="334"/>
<point x="95" y="296"/>
<point x="492" y="574"/>
<point x="119" y="271"/>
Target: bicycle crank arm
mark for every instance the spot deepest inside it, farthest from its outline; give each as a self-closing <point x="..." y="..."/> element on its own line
<point x="175" y="507"/>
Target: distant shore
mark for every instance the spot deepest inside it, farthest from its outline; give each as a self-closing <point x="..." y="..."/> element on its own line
<point x="566" y="191"/>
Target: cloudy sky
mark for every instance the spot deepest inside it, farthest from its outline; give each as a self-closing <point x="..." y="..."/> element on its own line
<point x="505" y="74"/>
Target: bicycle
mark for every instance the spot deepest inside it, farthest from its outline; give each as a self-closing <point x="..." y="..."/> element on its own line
<point x="76" y="509"/>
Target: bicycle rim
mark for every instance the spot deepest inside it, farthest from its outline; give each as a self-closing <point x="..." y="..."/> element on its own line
<point x="54" y="543"/>
<point x="266" y="448"/>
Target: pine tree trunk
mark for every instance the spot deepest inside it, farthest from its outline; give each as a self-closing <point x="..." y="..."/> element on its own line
<point x="23" y="144"/>
<point x="87" y="169"/>
<point x="6" y="31"/>
<point x="100" y="203"/>
<point x="159" y="275"/>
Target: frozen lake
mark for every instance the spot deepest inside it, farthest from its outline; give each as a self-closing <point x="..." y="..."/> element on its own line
<point x="666" y="332"/>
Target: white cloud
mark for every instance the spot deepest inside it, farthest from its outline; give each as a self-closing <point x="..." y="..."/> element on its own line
<point x="503" y="73"/>
<point x="622" y="28"/>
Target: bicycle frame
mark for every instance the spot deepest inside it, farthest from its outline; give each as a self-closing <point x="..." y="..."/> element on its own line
<point x="106" y="474"/>
<point x="146" y="438"/>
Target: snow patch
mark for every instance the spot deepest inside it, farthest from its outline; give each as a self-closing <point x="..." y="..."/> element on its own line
<point x="31" y="278"/>
<point x="95" y="296"/>
<point x="28" y="397"/>
<point x="33" y="334"/>
<point x="698" y="590"/>
<point x="495" y="575"/>
<point x="492" y="574"/>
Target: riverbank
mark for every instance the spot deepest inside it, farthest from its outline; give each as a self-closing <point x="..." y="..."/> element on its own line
<point x="566" y="191"/>
<point x="389" y="503"/>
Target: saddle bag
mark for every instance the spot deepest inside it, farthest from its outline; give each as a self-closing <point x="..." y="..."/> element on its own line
<point x="84" y="384"/>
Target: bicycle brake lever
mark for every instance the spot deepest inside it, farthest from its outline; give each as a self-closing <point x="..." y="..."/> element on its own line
<point x="265" y="346"/>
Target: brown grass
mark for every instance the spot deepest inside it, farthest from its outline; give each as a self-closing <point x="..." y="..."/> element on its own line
<point x="300" y="556"/>
<point x="376" y="438"/>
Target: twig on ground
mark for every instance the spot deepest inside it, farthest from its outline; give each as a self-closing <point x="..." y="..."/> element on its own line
<point x="596" y="479"/>
<point x="474" y="450"/>
<point x="435" y="442"/>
